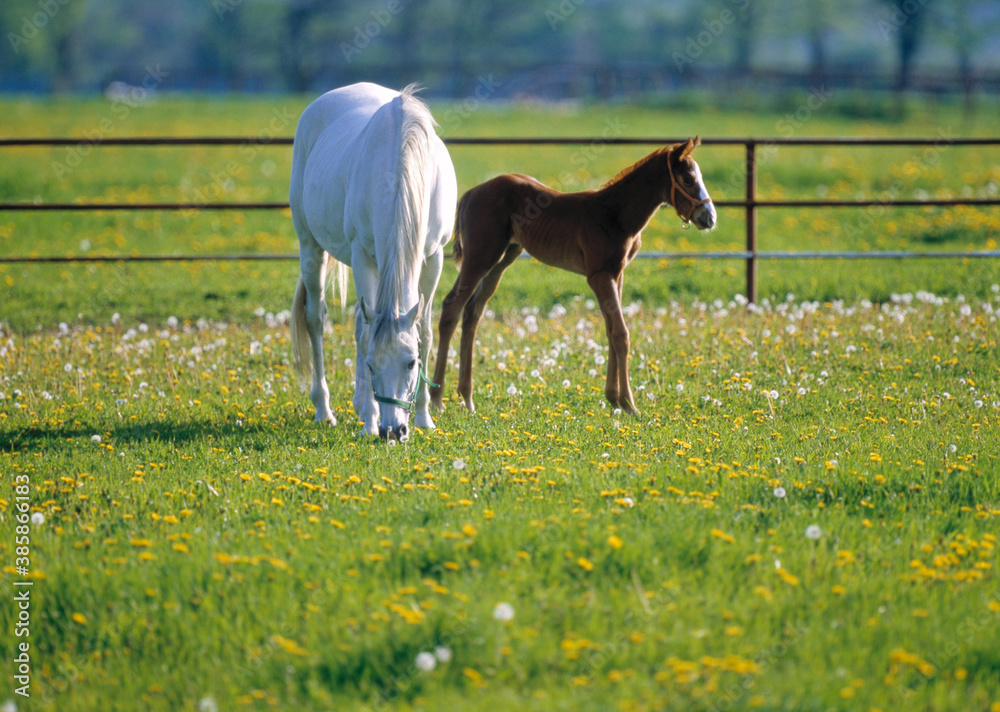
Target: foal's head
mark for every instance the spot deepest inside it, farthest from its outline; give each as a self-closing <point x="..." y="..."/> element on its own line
<point x="686" y="191"/>
<point x="393" y="364"/>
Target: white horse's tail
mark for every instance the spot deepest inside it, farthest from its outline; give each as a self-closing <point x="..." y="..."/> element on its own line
<point x="336" y="273"/>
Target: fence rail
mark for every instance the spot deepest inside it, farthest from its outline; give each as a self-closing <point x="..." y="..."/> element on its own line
<point x="750" y="204"/>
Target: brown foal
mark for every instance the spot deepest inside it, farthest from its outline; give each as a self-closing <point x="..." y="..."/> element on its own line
<point x="594" y="233"/>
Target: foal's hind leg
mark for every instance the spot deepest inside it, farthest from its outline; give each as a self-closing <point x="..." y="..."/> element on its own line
<point x="473" y="315"/>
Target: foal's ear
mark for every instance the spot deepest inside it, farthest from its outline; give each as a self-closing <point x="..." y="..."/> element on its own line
<point x="366" y="316"/>
<point x="413" y="316"/>
<point x="682" y="150"/>
<point x="692" y="143"/>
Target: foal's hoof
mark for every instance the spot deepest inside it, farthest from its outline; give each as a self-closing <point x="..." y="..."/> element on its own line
<point x="328" y="419"/>
<point x="469" y="405"/>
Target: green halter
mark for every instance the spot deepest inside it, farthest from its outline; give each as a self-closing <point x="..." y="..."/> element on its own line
<point x="406" y="405"/>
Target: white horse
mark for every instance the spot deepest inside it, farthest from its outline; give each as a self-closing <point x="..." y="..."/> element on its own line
<point x="372" y="187"/>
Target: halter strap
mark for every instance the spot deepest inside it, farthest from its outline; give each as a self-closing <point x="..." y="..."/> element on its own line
<point x="676" y="186"/>
<point x="406" y="405"/>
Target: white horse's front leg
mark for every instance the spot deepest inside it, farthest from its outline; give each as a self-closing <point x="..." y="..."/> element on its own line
<point x="365" y="284"/>
<point x="315" y="313"/>
<point x="364" y="396"/>
<point x="428" y="285"/>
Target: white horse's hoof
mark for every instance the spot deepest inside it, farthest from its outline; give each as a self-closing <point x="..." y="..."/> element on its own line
<point x="327" y="418"/>
<point x="367" y="432"/>
<point x="424" y="421"/>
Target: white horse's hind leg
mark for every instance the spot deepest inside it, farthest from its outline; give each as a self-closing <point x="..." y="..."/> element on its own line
<point x="313" y="276"/>
<point x="428" y="284"/>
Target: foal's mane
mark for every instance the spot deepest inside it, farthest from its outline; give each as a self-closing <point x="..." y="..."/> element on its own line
<point x="643" y="161"/>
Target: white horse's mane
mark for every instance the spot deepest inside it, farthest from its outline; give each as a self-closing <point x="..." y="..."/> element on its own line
<point x="400" y="257"/>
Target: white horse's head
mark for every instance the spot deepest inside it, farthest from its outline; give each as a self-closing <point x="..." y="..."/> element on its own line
<point x="394" y="366"/>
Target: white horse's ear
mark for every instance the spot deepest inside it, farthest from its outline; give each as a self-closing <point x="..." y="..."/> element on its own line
<point x="413" y="316"/>
<point x="366" y="316"/>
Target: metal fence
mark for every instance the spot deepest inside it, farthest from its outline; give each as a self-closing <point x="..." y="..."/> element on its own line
<point x="750" y="205"/>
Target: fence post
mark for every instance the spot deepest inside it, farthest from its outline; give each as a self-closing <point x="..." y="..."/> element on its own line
<point x="751" y="220"/>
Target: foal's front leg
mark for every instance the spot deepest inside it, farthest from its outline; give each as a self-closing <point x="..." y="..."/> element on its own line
<point x="617" y="389"/>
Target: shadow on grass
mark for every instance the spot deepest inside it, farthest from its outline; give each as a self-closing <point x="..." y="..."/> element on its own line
<point x="256" y="435"/>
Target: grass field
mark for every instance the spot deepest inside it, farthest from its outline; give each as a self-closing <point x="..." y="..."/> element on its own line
<point x="804" y="517"/>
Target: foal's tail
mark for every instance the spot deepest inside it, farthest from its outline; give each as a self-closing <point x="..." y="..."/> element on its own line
<point x="336" y="273"/>
<point x="456" y="250"/>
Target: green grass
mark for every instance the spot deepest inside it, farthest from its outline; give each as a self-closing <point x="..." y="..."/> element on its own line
<point x="205" y="544"/>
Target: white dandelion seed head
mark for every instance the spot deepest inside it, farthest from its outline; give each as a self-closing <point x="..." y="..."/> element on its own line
<point x="208" y="704"/>
<point x="503" y="612"/>
<point x="779" y="492"/>
<point x="679" y="387"/>
<point x="425" y="661"/>
<point x="458" y="464"/>
<point x="813" y="531"/>
<point x="512" y="390"/>
<point x="442" y="653"/>
<point x="95" y="438"/>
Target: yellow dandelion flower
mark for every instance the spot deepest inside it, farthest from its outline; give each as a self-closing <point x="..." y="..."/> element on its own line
<point x="585" y="563"/>
<point x="289" y="646"/>
<point x="615" y="542"/>
<point x="469" y="530"/>
<point x="80" y="618"/>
